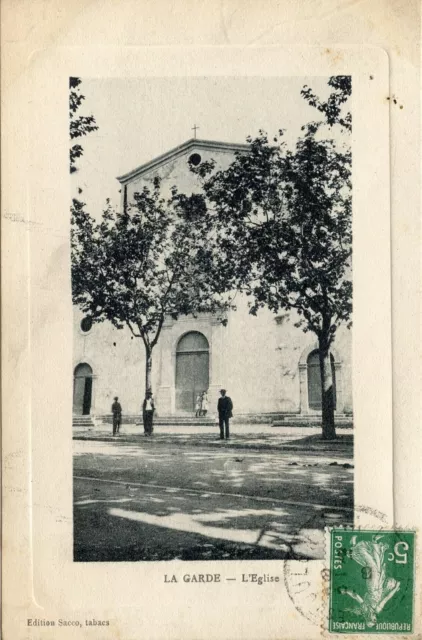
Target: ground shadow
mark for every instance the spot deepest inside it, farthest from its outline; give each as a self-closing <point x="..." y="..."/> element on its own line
<point x="124" y="523"/>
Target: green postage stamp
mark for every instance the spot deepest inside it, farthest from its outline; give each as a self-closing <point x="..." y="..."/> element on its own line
<point x="372" y="581"/>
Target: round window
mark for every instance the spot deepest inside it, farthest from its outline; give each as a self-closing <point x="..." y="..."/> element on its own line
<point x="86" y="324"/>
<point x="195" y="159"/>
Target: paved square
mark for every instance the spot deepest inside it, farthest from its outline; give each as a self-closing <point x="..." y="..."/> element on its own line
<point x="151" y="499"/>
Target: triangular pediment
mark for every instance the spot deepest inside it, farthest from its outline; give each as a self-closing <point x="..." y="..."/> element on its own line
<point x="188" y="146"/>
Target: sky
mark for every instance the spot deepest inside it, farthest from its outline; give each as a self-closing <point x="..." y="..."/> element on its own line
<point x="141" y="118"/>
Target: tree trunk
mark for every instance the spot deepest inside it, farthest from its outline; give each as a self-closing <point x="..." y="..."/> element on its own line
<point x="327" y="391"/>
<point x="148" y="369"/>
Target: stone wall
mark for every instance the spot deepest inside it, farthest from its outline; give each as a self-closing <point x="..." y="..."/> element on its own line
<point x="261" y="361"/>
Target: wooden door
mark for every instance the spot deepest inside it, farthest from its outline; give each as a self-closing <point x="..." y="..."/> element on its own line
<point x="192" y="378"/>
<point x="78" y="395"/>
<point x="192" y="370"/>
<point x="314" y="381"/>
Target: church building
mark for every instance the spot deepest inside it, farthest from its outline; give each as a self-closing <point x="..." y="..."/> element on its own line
<point x="269" y="367"/>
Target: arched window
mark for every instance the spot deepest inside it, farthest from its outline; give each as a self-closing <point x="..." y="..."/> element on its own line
<point x="192" y="370"/>
<point x="314" y="381"/>
<point x="82" y="389"/>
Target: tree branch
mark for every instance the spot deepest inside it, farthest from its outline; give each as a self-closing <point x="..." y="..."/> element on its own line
<point x="137" y="335"/>
<point x="157" y="333"/>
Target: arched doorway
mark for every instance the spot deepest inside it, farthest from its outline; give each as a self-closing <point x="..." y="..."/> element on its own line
<point x="314" y="381"/>
<point x="82" y="389"/>
<point x="192" y="369"/>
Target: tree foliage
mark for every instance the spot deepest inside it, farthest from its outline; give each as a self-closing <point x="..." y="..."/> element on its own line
<point x="333" y="108"/>
<point x="134" y="268"/>
<point x="79" y="125"/>
<point x="284" y="224"/>
<point x="285" y="229"/>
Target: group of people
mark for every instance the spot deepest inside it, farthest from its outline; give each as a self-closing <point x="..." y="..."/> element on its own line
<point x="224" y="408"/>
<point x="148" y="408"/>
<point x="201" y="405"/>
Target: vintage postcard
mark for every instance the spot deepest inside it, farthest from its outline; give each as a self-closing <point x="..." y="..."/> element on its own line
<point x="206" y="450"/>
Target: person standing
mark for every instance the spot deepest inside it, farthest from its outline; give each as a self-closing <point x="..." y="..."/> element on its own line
<point x="116" y="410"/>
<point x="198" y="405"/>
<point x="148" y="408"/>
<point x="204" y="404"/>
<point x="225" y="408"/>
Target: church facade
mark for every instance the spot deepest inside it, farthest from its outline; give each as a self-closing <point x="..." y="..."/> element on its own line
<point x="269" y="367"/>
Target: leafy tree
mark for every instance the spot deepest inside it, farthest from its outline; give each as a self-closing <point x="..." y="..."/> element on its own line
<point x="283" y="221"/>
<point x="79" y="125"/>
<point x="134" y="268"/>
<point x="333" y="108"/>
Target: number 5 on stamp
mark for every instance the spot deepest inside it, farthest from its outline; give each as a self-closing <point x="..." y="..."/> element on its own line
<point x="372" y="581"/>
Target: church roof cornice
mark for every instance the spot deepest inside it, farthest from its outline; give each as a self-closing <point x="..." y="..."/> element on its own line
<point x="210" y="145"/>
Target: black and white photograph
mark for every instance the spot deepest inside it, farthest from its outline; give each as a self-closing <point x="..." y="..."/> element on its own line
<point x="211" y="270"/>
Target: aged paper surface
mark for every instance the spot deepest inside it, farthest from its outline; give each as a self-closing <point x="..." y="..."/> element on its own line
<point x="41" y="579"/>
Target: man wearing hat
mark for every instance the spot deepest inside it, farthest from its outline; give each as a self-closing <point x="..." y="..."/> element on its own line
<point x="225" y="408"/>
<point x="148" y="408"/>
<point x="116" y="409"/>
